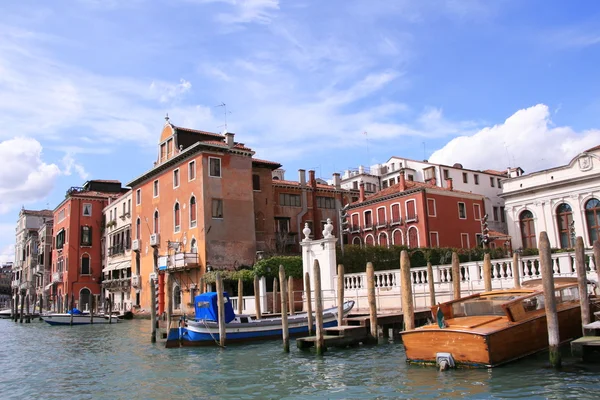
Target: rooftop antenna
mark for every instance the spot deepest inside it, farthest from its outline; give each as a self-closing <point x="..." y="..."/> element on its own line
<point x="225" y="112"/>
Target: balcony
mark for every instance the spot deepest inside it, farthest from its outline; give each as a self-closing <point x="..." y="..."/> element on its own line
<point x="368" y="226"/>
<point x="57" y="277"/>
<point x="354" y="228"/>
<point x="178" y="261"/>
<point x="382" y="224"/>
<point x="118" y="249"/>
<point x="412" y="218"/>
<point x="117" y="283"/>
<point x="396" y="221"/>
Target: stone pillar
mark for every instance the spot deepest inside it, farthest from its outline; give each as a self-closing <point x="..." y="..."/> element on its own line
<point x="322" y="250"/>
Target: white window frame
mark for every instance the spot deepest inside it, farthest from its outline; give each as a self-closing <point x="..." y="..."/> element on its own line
<point x="408" y="237"/>
<point x="138" y="197"/>
<point x="465" y="208"/>
<point x="401" y="237"/>
<point x="462" y="243"/>
<point x="83" y="210"/>
<point x="192" y="167"/>
<point x="381" y="223"/>
<point x="477" y="206"/>
<point x="176" y="228"/>
<point x="399" y="213"/>
<point x="222" y="208"/>
<point x="155" y="189"/>
<point x="406" y="210"/>
<point x="358" y="219"/>
<point x="355" y="239"/>
<point x="220" y="167"/>
<point x="374" y="242"/>
<point x="157" y="230"/>
<point x="434" y="208"/>
<point x="178" y="174"/>
<point x="365" y="227"/>
<point x="437" y="239"/>
<point x="386" y="237"/>
<point x="193" y="223"/>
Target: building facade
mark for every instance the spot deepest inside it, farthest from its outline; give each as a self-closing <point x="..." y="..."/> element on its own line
<point x="417" y="214"/>
<point x="116" y="260"/>
<point x="5" y="284"/>
<point x="563" y="201"/>
<point x="77" y="253"/>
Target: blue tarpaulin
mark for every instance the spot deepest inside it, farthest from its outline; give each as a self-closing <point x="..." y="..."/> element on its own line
<point x="74" y="311"/>
<point x="206" y="305"/>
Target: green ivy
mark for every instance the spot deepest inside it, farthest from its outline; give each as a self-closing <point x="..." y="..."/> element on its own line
<point x="269" y="267"/>
<point x="245" y="274"/>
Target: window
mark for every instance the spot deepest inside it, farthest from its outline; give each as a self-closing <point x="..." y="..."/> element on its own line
<point x="479" y="239"/>
<point x="217" y="208"/>
<point x="255" y="182"/>
<point x="137" y="228"/>
<point x="465" y="177"/>
<point x="124" y="210"/>
<point x="129" y="206"/>
<point x="381" y="216"/>
<point x="392" y="181"/>
<point x="282" y="225"/>
<point x="286" y="199"/>
<point x="383" y="239"/>
<point x="326" y="202"/>
<point x="191" y="170"/>
<point x="163" y="151"/>
<point x="464" y="240"/>
<point x="502" y="215"/>
<point x="411" y="211"/>
<point x="60" y="239"/>
<point x="413" y="237"/>
<point x="85" y="265"/>
<point x="476" y="179"/>
<point x="177" y="298"/>
<point x="397" y="237"/>
<point x="155" y="188"/>
<point x="446" y="174"/>
<point x="434" y="239"/>
<point x="87" y="210"/>
<point x="176" y="178"/>
<point x="462" y="210"/>
<point x="477" y="212"/>
<point x="194" y="246"/>
<point x="395" y="213"/>
<point x="355" y="185"/>
<point x="177" y="218"/>
<point x="193" y="212"/>
<point x="592" y="218"/>
<point x="369" y="240"/>
<point x="527" y="230"/>
<point x="214" y="167"/>
<point x="564" y="219"/>
<point x="355" y="224"/>
<point x="86" y="235"/>
<point x="169" y="147"/>
<point x="384" y="184"/>
<point x="138" y="197"/>
<point x="431" y="211"/>
<point x="491" y="181"/>
<point x="368" y="219"/>
<point x="155" y="222"/>
<point x="411" y="177"/>
<point x="495" y="212"/>
<point x="499" y="184"/>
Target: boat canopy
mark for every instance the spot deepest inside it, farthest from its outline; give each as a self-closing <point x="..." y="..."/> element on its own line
<point x="74" y="311"/>
<point x="206" y="305"/>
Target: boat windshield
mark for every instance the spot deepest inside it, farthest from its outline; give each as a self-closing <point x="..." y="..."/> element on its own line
<point x="484" y="305"/>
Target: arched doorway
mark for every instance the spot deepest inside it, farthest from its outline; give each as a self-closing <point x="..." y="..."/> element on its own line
<point x="413" y="238"/>
<point x="85" y="299"/>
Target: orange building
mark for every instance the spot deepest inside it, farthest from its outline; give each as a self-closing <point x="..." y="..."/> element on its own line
<point x="417" y="214"/>
<point x="77" y="252"/>
<point x="205" y="204"/>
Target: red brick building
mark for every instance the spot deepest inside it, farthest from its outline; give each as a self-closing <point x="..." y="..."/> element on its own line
<point x="417" y="214"/>
<point x="77" y="251"/>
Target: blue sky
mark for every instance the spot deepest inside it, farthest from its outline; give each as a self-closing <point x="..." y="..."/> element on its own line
<point x="85" y="85"/>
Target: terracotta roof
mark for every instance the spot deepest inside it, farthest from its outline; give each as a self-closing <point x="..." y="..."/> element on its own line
<point x="39" y="213"/>
<point x="295" y="183"/>
<point x="410" y="185"/>
<point x="270" y="164"/>
<point x="494" y="172"/>
<point x="197" y="131"/>
<point x="105" y="181"/>
<point x="498" y="235"/>
<point x="95" y="194"/>
<point x="593" y="149"/>
<point x="214" y="142"/>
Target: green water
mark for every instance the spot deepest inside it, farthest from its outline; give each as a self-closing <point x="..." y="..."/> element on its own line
<point x="118" y="362"/>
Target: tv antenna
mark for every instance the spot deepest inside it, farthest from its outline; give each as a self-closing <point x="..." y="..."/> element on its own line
<point x="225" y="113"/>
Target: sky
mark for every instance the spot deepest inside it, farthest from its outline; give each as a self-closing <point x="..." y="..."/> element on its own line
<point x="324" y="85"/>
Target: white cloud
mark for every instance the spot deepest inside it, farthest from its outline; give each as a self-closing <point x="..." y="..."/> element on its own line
<point x="24" y="176"/>
<point x="166" y="92"/>
<point x="527" y="139"/>
<point x="70" y="164"/>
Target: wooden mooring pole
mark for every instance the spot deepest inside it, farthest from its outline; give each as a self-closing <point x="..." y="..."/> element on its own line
<point x="15" y="305"/>
<point x="408" y="310"/>
<point x="71" y="308"/>
<point x="153" y="311"/>
<point x="320" y="342"/>
<point x="516" y="270"/>
<point x="340" y="294"/>
<point x="92" y="309"/>
<point x="240" y="296"/>
<point x="284" y="320"/>
<point x="308" y="302"/>
<point x="487" y="272"/>
<point x="290" y="290"/>
<point x="275" y="293"/>
<point x="550" y="299"/>
<point x="110" y="305"/>
<point x="257" y="297"/>
<point x="22" y="306"/>
<point x="582" y="281"/>
<point x="431" y="282"/>
<point x="456" y="275"/>
<point x="28" y="310"/>
<point x="221" y="309"/>
<point x="372" y="300"/>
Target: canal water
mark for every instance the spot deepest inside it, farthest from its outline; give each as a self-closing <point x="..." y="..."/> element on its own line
<point x="119" y="362"/>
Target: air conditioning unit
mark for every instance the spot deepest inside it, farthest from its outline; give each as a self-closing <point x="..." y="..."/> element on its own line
<point x="135" y="281"/>
<point x="135" y="245"/>
<point x="154" y="239"/>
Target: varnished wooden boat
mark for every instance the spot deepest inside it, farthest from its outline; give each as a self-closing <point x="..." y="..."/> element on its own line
<point x="492" y="328"/>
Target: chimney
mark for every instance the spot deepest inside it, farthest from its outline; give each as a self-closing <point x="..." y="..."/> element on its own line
<point x="361" y="196"/>
<point x="337" y="181"/>
<point x="449" y="184"/>
<point x="302" y="177"/>
<point x="402" y="181"/>
<point x="311" y="178"/>
<point x="229" y="139"/>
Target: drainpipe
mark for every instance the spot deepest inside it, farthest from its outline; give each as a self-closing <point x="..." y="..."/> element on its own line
<point x="302" y="180"/>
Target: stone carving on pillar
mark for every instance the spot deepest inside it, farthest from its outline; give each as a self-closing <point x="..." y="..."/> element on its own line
<point x="328" y="228"/>
<point x="306" y="231"/>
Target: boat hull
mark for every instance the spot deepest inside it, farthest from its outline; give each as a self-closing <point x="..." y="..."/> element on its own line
<point x="65" y="319"/>
<point x="473" y="349"/>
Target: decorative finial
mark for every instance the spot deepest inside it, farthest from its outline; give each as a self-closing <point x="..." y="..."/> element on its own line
<point x="167" y="117"/>
<point x="327" y="229"/>
<point x="306" y="231"/>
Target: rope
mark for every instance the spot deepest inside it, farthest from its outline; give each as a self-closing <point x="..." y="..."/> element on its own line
<point x="211" y="335"/>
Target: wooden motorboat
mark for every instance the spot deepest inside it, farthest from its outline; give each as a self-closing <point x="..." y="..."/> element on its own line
<point x="203" y="330"/>
<point x="492" y="328"/>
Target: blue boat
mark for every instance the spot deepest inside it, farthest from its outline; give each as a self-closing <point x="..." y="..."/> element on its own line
<point x="203" y="330"/>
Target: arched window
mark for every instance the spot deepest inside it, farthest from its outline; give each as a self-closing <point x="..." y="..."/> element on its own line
<point x="194" y="246"/>
<point x="155" y="222"/>
<point x="592" y="217"/>
<point x="356" y="240"/>
<point x="413" y="238"/>
<point x="177" y="297"/>
<point x="383" y="239"/>
<point x="138" y="225"/>
<point x="527" y="230"/>
<point x="177" y="217"/>
<point x="85" y="299"/>
<point x="397" y="238"/>
<point x="564" y="219"/>
<point x="85" y="265"/>
<point x="369" y="240"/>
<point x="193" y="212"/>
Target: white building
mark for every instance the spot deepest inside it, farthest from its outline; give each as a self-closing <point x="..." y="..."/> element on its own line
<point x="487" y="183"/>
<point x="563" y="201"/>
<point x="116" y="265"/>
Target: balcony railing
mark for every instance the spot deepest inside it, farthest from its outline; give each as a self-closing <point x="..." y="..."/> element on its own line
<point x="57" y="277"/>
<point x="118" y="249"/>
<point x="412" y="218"/>
<point x="396" y="221"/>
<point x="177" y="261"/>
<point x="382" y="224"/>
